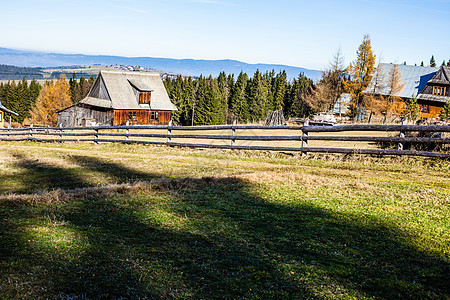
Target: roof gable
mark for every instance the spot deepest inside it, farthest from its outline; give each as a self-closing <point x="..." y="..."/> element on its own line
<point x="442" y="76"/>
<point x="99" y="90"/>
<point x="120" y="89"/>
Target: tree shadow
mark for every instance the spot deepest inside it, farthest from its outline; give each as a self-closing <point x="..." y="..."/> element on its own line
<point x="39" y="176"/>
<point x="235" y="244"/>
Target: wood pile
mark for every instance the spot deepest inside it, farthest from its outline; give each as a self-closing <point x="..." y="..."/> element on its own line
<point x="275" y="118"/>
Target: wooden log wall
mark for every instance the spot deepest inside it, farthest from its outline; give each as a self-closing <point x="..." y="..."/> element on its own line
<point x="140" y="117"/>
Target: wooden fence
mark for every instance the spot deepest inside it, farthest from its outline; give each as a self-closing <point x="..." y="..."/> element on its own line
<point x="298" y="134"/>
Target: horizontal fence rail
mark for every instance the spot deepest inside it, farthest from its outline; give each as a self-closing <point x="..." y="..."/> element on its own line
<point x="165" y="135"/>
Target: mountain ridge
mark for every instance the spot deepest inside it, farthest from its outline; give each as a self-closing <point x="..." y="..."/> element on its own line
<point x="189" y="67"/>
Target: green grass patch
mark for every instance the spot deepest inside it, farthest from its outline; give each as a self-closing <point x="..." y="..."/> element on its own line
<point x="80" y="221"/>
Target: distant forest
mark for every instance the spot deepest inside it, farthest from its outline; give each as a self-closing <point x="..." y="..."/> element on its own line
<point x="208" y="100"/>
<point x="18" y="73"/>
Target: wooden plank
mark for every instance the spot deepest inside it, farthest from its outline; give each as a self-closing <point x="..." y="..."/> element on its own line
<point x="378" y="139"/>
<point x="340" y="128"/>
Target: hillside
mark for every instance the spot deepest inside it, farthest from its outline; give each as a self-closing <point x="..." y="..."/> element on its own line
<point x="190" y="67"/>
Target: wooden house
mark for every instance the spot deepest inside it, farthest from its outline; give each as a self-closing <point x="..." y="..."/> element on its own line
<point x="435" y="93"/>
<point x="120" y="97"/>
<point x="417" y="81"/>
<point x="2" y="114"/>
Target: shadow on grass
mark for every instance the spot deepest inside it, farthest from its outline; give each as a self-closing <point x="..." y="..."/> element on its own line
<point x="228" y="243"/>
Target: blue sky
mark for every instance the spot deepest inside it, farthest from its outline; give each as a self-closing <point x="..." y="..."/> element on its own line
<point x="298" y="33"/>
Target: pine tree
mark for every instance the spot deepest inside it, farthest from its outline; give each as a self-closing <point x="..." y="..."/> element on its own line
<point x="432" y="61"/>
<point x="412" y="109"/>
<point x="176" y="96"/>
<point x="189" y="99"/>
<point x="200" y="109"/>
<point x="224" y="94"/>
<point x="445" y="113"/>
<point x="295" y="105"/>
<point x="257" y="91"/>
<point x="238" y="101"/>
<point x="280" y="90"/>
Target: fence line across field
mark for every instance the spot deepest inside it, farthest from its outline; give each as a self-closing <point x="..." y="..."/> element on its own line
<point x="299" y="134"/>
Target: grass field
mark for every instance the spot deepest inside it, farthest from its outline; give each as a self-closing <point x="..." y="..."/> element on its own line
<point x="82" y="221"/>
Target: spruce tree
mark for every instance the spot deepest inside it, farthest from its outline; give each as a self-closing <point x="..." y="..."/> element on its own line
<point x="280" y="90"/>
<point x="224" y="93"/>
<point x="176" y="96"/>
<point x="432" y="61"/>
<point x="295" y="105"/>
<point x="238" y="101"/>
<point x="189" y="98"/>
<point x="257" y="91"/>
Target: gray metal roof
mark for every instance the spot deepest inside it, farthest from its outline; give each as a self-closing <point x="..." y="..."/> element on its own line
<point x="122" y="96"/>
<point x="414" y="78"/>
<point x="7" y="110"/>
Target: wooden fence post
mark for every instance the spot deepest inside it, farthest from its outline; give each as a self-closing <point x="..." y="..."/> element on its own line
<point x="233" y="133"/>
<point x="60" y="132"/>
<point x="304" y="134"/>
<point x="31" y="132"/>
<point x="96" y="136"/>
<point x="169" y="132"/>
<point x="127" y="131"/>
<point x="402" y="134"/>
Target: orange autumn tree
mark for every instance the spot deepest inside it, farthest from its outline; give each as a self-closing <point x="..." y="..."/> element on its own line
<point x="392" y="103"/>
<point x="54" y="96"/>
<point x="361" y="72"/>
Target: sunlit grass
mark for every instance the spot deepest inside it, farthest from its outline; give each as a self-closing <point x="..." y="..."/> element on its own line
<point x="131" y="221"/>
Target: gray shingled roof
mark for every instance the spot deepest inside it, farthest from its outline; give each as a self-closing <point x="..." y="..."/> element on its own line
<point x="119" y="86"/>
<point x="414" y="78"/>
<point x="7" y="110"/>
<point x="435" y="98"/>
<point x="442" y="77"/>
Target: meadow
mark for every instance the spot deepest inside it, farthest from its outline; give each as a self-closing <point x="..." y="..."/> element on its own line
<point x="82" y="221"/>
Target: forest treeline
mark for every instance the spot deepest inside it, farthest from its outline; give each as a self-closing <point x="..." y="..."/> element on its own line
<point x="220" y="100"/>
<point x="201" y="101"/>
<point x="21" y="96"/>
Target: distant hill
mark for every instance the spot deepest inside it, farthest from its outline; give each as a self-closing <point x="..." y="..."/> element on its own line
<point x="190" y="67"/>
<point x="13" y="72"/>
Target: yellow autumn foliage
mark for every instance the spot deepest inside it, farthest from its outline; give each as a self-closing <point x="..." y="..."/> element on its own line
<point x="54" y="96"/>
<point x="361" y="71"/>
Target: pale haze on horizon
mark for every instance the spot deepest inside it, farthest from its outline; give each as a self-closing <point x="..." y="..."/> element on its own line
<point x="296" y="33"/>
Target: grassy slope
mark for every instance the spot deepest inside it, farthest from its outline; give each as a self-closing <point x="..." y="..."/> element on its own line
<point x="137" y="221"/>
